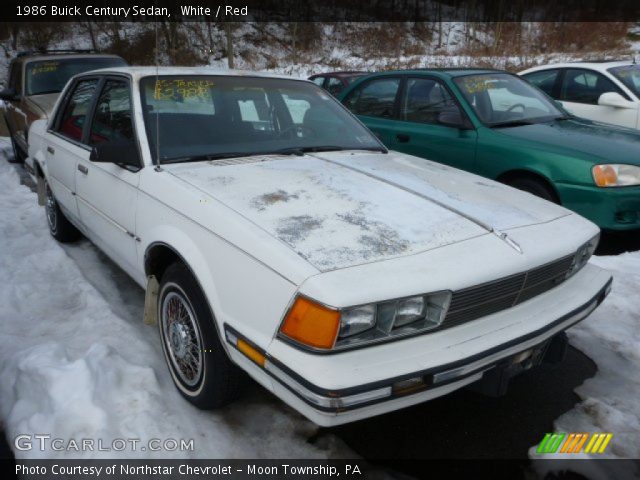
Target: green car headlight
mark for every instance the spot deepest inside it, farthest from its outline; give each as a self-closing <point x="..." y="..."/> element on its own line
<point x="616" y="175"/>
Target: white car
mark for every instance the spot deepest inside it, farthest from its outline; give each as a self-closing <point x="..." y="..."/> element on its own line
<point x="606" y="92"/>
<point x="273" y="232"/>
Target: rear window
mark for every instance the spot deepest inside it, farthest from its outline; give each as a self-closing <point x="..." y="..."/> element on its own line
<point x="50" y="76"/>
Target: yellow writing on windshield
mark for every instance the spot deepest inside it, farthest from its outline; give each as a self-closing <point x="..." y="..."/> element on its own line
<point x="181" y="89"/>
<point x="479" y="83"/>
<point x="45" y="67"/>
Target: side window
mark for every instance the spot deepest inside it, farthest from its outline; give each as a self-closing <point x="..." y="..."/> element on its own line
<point x="544" y="80"/>
<point x="335" y="86"/>
<point x="15" y="77"/>
<point x="584" y="86"/>
<point x="318" y="81"/>
<point x="375" y="98"/>
<point x="424" y="100"/>
<point x="75" y="110"/>
<point x="112" y="119"/>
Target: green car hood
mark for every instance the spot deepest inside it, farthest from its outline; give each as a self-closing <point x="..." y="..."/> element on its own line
<point x="594" y="141"/>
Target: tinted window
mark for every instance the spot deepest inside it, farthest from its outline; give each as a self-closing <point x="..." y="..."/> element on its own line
<point x="50" y="76"/>
<point x="375" y="98"/>
<point x="544" y="80"/>
<point x="75" y="111"/>
<point x="335" y="85"/>
<point x="112" y="119"/>
<point x="318" y="81"/>
<point x="584" y="86"/>
<point x="423" y="101"/>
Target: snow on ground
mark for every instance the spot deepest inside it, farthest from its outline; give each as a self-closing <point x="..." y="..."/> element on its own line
<point x="611" y="337"/>
<point x="77" y="362"/>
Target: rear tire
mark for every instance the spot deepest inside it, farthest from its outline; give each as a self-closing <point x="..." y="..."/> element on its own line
<point x="198" y="363"/>
<point x="60" y="228"/>
<point x="536" y="187"/>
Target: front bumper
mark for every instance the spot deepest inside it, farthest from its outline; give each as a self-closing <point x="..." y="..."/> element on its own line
<point x="609" y="208"/>
<point x="353" y="385"/>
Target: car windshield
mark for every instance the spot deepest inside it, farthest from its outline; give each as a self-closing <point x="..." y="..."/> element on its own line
<point x="191" y="118"/>
<point x="630" y="76"/>
<point x="50" y="76"/>
<point x="501" y="100"/>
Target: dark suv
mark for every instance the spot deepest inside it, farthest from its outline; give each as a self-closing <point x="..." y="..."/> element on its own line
<point x="35" y="81"/>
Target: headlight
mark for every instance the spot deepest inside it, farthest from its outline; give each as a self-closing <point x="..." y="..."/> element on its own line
<point x="616" y="175"/>
<point x="321" y="327"/>
<point x="583" y="255"/>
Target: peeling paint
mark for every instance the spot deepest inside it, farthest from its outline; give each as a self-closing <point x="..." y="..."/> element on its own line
<point x="263" y="201"/>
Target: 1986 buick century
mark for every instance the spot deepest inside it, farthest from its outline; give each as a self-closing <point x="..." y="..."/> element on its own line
<point x="274" y="234"/>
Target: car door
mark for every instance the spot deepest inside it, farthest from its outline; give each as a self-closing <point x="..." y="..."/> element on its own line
<point x="375" y="102"/>
<point x="107" y="193"/>
<point x="419" y="129"/>
<point x="579" y="94"/>
<point x="64" y="143"/>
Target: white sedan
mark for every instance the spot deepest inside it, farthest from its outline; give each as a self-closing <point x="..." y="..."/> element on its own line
<point x="274" y="234"/>
<point x="606" y="92"/>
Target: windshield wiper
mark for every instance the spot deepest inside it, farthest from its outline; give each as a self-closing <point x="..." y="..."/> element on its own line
<point x="324" y="148"/>
<point x="513" y="123"/>
<point x="219" y="156"/>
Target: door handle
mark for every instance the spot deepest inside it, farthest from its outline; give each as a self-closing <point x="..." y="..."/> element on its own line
<point x="403" y="137"/>
<point x="83" y="169"/>
<point x="51" y="150"/>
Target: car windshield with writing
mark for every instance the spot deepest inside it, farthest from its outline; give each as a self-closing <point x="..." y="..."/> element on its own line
<point x="50" y="76"/>
<point x="503" y="100"/>
<point x="190" y="118"/>
<point x="629" y="75"/>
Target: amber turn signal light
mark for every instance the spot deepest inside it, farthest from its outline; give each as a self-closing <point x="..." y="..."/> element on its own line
<point x="311" y="324"/>
<point x="605" y="175"/>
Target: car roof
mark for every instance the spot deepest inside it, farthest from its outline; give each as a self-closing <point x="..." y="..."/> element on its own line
<point x="49" y="56"/>
<point x="342" y="73"/>
<point x="137" y="73"/>
<point x="600" y="65"/>
<point x="444" y="72"/>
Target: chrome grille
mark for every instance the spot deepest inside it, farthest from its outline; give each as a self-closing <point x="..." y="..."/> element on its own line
<point x="488" y="298"/>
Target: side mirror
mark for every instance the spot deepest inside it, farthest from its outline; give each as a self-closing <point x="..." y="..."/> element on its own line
<point x="119" y="153"/>
<point x="9" y="94"/>
<point x="614" y="99"/>
<point x="453" y="118"/>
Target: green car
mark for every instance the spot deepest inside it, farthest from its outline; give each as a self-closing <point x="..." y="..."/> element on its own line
<point x="495" y="124"/>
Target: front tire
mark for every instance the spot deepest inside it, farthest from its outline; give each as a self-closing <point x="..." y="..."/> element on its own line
<point x="60" y="228"/>
<point x="199" y="366"/>
<point x="535" y="187"/>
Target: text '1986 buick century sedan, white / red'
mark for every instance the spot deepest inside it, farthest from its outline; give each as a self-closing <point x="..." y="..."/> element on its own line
<point x="274" y="234"/>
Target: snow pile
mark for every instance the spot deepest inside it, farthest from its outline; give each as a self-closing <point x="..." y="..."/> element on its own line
<point x="611" y="337"/>
<point x="76" y="361"/>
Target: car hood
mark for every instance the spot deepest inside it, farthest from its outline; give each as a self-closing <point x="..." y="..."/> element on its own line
<point x="599" y="141"/>
<point x="44" y="102"/>
<point x="343" y="209"/>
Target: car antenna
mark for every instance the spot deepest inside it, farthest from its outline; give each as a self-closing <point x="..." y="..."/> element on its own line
<point x="158" y="168"/>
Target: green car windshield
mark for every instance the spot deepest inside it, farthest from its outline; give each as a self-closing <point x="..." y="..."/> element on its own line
<point x="204" y="117"/>
<point x="500" y="99"/>
<point x="629" y="75"/>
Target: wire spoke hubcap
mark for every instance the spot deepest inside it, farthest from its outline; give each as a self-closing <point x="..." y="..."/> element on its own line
<point x="50" y="208"/>
<point x="182" y="338"/>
